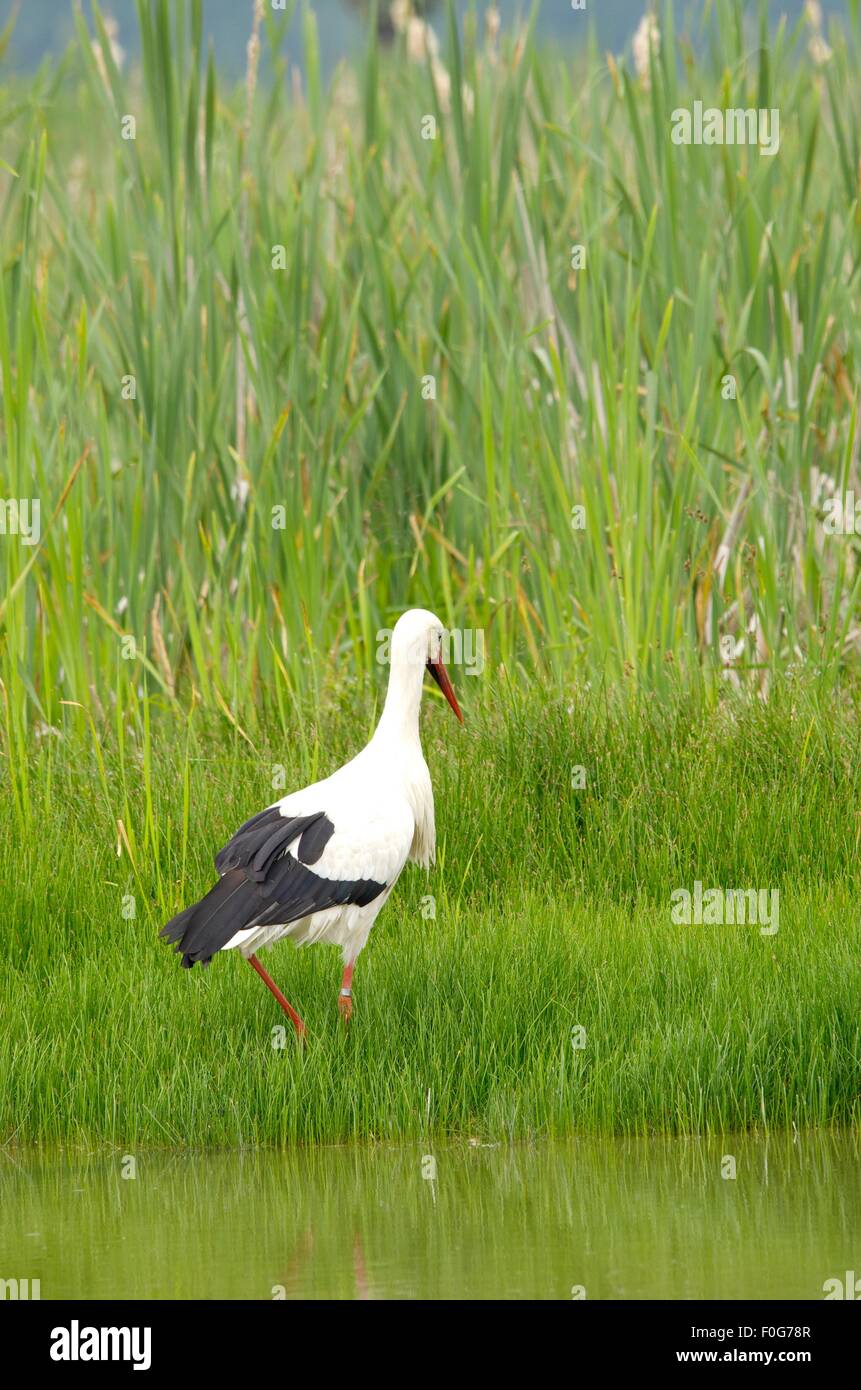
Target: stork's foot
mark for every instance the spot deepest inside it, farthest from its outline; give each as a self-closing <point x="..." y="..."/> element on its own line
<point x="345" y="998"/>
<point x="285" y="1004"/>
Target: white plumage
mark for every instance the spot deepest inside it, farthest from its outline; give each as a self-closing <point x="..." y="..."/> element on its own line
<point x="319" y="864"/>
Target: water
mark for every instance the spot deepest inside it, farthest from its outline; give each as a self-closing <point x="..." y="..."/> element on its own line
<point x="45" y="26"/>
<point x="623" y="1219"/>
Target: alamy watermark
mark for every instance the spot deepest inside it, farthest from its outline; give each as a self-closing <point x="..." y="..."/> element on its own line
<point x="460" y="647"/>
<point x="737" y="126"/>
<point x="720" y="907"/>
<point x="77" y="1343"/>
<point x="842" y="515"/>
<point x="15" y="1289"/>
<point x="21" y="517"/>
<point x="839" y="1288"/>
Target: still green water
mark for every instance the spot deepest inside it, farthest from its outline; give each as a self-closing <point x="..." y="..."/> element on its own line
<point x="622" y="1219"/>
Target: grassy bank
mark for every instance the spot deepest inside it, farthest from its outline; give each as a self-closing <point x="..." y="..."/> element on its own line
<point x="276" y="366"/>
<point x="552" y="911"/>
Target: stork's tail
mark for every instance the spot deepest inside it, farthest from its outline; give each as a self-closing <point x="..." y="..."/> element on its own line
<point x="207" y="926"/>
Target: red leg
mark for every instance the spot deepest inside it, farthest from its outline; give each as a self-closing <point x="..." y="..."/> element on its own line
<point x="288" y="1008"/>
<point x="345" y="998"/>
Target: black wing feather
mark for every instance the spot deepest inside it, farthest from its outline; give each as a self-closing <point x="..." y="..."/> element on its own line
<point x="262" y="885"/>
<point x="266" y="835"/>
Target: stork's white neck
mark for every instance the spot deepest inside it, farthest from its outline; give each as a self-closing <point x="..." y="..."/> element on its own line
<point x="399" y="721"/>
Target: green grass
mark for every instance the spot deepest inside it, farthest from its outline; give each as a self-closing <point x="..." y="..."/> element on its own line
<point x="165" y="647"/>
<point x="301" y="387"/>
<point x="552" y="911"/>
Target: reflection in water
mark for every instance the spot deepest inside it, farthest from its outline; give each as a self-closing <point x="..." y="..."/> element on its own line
<point x="624" y="1219"/>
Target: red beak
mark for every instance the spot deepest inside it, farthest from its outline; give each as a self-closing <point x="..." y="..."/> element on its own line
<point x="440" y="675"/>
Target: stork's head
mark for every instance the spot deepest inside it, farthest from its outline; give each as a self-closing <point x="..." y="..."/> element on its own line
<point x="417" y="641"/>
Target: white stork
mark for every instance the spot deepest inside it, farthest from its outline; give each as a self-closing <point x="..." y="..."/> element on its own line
<point x="320" y="863"/>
